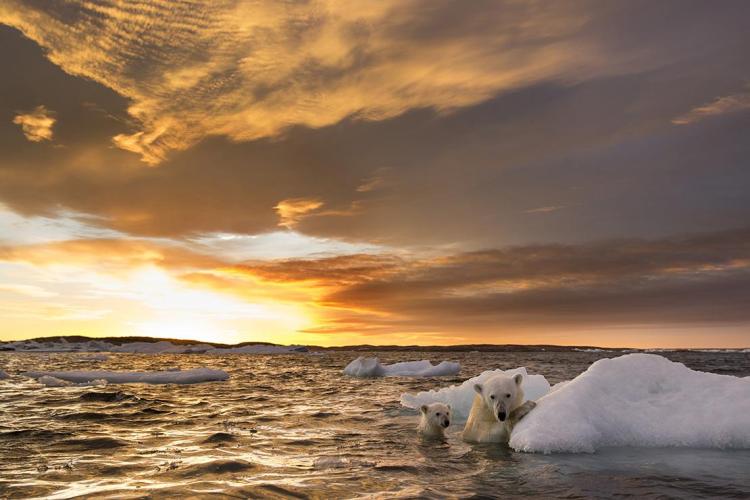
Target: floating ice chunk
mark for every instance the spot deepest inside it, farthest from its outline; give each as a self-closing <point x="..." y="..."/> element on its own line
<point x="638" y="400"/>
<point x="50" y="381"/>
<point x="3" y="375"/>
<point x="371" y="367"/>
<point x="165" y="377"/>
<point x="461" y="397"/>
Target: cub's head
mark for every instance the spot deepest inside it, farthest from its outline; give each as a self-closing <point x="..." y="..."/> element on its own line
<point x="502" y="394"/>
<point x="437" y="414"/>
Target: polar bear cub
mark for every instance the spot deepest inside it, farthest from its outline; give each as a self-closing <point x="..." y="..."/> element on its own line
<point x="498" y="406"/>
<point x="436" y="417"/>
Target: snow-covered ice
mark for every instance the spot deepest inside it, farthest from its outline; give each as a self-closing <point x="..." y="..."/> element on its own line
<point x="461" y="397"/>
<point x="371" y="367"/>
<point x="57" y="382"/>
<point x="193" y="376"/>
<point x="639" y="400"/>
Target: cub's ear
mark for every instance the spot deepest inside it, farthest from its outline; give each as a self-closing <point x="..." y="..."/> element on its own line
<point x="423" y="408"/>
<point x="478" y="388"/>
<point x="518" y="378"/>
<point x="449" y="407"/>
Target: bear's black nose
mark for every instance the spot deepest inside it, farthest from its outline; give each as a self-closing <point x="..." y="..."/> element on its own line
<point x="446" y="423"/>
<point x="501" y="416"/>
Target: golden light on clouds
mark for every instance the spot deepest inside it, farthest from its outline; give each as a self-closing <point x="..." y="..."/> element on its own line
<point x="395" y="171"/>
<point x="720" y="106"/>
<point x="37" y="124"/>
<point x="251" y="70"/>
<point x="293" y="210"/>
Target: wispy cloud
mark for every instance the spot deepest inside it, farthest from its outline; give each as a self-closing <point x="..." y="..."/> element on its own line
<point x="37" y="124"/>
<point x="720" y="106"/>
<point x="26" y="290"/>
<point x="293" y="210"/>
<point x="252" y="70"/>
<point x="543" y="210"/>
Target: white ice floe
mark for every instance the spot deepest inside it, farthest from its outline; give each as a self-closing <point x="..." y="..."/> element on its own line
<point x="371" y="367"/>
<point x="639" y="400"/>
<point x="194" y="376"/>
<point x="461" y="397"/>
<point x="50" y="381"/>
<point x="3" y="375"/>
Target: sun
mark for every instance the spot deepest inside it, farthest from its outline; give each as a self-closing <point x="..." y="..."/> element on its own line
<point x="178" y="310"/>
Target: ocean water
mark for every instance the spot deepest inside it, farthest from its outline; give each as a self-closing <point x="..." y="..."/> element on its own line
<point x="294" y="426"/>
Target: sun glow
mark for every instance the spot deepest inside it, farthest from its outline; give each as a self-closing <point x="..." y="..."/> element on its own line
<point x="182" y="311"/>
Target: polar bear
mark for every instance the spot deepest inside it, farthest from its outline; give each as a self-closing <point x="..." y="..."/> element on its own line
<point x="498" y="406"/>
<point x="436" y="417"/>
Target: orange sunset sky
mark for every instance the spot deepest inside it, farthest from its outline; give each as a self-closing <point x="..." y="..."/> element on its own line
<point x="381" y="172"/>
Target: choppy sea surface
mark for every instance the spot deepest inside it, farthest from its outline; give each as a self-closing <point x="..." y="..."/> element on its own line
<point x="293" y="426"/>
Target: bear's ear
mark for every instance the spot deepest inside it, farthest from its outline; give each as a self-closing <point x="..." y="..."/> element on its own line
<point x="518" y="378"/>
<point x="449" y="407"/>
<point x="478" y="388"/>
<point x="423" y="408"/>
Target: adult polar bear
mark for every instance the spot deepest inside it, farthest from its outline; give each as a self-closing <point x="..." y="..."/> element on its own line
<point x="498" y="406"/>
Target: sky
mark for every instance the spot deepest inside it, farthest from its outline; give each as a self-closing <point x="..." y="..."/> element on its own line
<point x="382" y="172"/>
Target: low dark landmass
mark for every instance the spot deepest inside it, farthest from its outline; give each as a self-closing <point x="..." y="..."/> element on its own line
<point x="74" y="339"/>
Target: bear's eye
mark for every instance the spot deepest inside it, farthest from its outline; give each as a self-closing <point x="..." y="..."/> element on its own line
<point x="507" y="395"/>
<point x="438" y="414"/>
<point x="492" y="396"/>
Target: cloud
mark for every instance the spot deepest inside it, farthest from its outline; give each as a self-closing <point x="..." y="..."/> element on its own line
<point x="702" y="278"/>
<point x="27" y="290"/>
<point x="722" y="105"/>
<point x="293" y="210"/>
<point x="252" y="70"/>
<point x="544" y="210"/>
<point x="36" y="125"/>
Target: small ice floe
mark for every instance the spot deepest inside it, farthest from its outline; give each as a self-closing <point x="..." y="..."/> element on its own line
<point x="461" y="397"/>
<point x="371" y="367"/>
<point x="50" y="381"/>
<point x="3" y="375"/>
<point x="194" y="376"/>
<point x="638" y="400"/>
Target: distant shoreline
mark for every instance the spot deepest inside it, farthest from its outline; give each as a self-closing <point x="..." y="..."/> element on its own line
<point x="5" y="346"/>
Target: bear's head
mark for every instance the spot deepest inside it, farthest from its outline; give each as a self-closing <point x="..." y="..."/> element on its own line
<point x="437" y="414"/>
<point x="502" y="394"/>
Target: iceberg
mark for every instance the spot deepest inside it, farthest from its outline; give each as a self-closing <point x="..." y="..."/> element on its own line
<point x="639" y="400"/>
<point x="371" y="367"/>
<point x="194" y="376"/>
<point x="461" y="397"/>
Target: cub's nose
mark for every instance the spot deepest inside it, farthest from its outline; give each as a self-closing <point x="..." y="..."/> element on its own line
<point x="446" y="423"/>
<point x="501" y="416"/>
